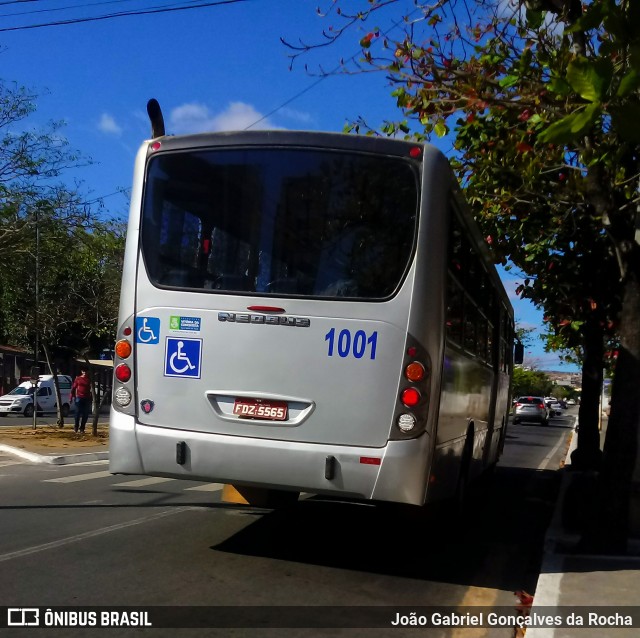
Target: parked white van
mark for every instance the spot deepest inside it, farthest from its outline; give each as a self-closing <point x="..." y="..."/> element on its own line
<point x="20" y="399"/>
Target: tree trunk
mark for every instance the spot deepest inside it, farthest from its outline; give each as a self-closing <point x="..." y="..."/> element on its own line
<point x="56" y="385"/>
<point x="608" y="527"/>
<point x="588" y="456"/>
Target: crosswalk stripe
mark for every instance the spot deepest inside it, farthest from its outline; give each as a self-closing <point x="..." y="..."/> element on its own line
<point x="152" y="480"/>
<point x="79" y="477"/>
<point x="8" y="463"/>
<point x="207" y="487"/>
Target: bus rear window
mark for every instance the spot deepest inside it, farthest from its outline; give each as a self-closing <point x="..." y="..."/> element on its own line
<point x="280" y="221"/>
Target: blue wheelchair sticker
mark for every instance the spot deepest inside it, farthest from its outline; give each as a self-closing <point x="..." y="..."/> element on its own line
<point x="183" y="357"/>
<point x="147" y="330"/>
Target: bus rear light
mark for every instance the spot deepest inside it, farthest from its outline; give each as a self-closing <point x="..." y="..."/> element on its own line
<point x="127" y="331"/>
<point x="414" y="372"/>
<point x="122" y="397"/>
<point x="123" y="372"/>
<point x="406" y="422"/>
<point x="123" y="348"/>
<point x="410" y="397"/>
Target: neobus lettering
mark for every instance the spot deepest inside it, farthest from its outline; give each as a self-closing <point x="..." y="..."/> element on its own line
<point x="270" y="320"/>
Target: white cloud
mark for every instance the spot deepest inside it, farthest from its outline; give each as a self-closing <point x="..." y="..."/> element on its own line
<point x="108" y="125"/>
<point x="198" y="118"/>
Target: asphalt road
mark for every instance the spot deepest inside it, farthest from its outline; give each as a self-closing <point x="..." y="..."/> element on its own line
<point x="76" y="535"/>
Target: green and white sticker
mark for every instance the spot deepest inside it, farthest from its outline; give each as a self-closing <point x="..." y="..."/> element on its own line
<point x="190" y="324"/>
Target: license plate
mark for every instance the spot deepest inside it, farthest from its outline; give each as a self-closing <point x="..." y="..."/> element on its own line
<point x="260" y="409"/>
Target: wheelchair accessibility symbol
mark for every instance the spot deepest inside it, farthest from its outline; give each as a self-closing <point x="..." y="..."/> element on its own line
<point x="147" y="330"/>
<point x="183" y="357"/>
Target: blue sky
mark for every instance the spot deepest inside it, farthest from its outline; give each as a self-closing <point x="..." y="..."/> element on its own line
<point x="215" y="68"/>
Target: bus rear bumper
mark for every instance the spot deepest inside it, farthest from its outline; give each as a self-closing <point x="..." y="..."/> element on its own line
<point x="396" y="472"/>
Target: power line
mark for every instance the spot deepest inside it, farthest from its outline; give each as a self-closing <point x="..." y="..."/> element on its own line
<point x="331" y="73"/>
<point x="73" y="6"/>
<point x="122" y="14"/>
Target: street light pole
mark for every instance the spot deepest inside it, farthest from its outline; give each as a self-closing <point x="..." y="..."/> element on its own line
<point x="37" y="273"/>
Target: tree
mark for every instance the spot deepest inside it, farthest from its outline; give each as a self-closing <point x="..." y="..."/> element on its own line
<point x="30" y="162"/>
<point x="60" y="265"/>
<point x="531" y="382"/>
<point x="543" y="110"/>
<point x="79" y="257"/>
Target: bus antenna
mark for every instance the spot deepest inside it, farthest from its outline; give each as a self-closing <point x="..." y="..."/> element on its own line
<point x="155" y="115"/>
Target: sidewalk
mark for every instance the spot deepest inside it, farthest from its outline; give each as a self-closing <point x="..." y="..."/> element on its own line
<point x="51" y="444"/>
<point x="603" y="585"/>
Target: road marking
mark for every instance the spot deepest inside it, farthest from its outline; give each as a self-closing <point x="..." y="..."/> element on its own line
<point x="98" y="532"/>
<point x="152" y="480"/>
<point x="207" y="487"/>
<point x="79" y="477"/>
<point x="8" y="463"/>
<point x="547" y="459"/>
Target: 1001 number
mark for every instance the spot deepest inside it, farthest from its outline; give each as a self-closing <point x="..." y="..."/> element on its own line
<point x="345" y="344"/>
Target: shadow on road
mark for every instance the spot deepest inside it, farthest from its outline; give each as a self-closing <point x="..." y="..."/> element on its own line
<point x="496" y="544"/>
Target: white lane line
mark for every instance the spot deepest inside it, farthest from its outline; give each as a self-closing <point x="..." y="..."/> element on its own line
<point x="547" y="459"/>
<point x="152" y="480"/>
<point x="98" y="532"/>
<point x="79" y="477"/>
<point x="207" y="487"/>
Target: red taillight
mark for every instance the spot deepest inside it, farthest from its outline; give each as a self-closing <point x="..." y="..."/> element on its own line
<point x="518" y="405"/>
<point x="410" y="397"/>
<point x="123" y="372"/>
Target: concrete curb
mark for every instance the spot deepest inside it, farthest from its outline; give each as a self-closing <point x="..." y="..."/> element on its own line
<point x="55" y="459"/>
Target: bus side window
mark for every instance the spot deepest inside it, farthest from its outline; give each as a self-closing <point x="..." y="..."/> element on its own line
<point x="454" y="311"/>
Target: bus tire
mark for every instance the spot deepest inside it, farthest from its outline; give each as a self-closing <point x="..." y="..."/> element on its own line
<point x="462" y="488"/>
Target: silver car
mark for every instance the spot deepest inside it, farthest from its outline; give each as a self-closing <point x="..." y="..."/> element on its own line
<point x="531" y="409"/>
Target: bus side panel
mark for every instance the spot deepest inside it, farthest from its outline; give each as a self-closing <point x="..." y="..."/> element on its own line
<point x="465" y="403"/>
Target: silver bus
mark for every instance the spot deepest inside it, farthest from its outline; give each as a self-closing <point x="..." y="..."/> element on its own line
<point x="308" y="312"/>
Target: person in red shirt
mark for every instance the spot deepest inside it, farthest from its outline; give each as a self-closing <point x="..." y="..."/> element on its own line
<point x="81" y="395"/>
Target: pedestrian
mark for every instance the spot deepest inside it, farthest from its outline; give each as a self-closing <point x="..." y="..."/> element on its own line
<point x="81" y="395"/>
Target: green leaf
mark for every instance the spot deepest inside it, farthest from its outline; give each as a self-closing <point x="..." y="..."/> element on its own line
<point x="508" y="81"/>
<point x="586" y="118"/>
<point x="572" y="126"/>
<point x="534" y="19"/>
<point x="629" y="83"/>
<point x="559" y="86"/>
<point x="590" y="79"/>
<point x="440" y="128"/>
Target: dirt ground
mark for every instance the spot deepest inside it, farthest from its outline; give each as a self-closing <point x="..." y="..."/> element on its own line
<point x="46" y="438"/>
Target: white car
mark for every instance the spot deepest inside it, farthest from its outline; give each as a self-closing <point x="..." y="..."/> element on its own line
<point x="20" y="399"/>
<point x="555" y="408"/>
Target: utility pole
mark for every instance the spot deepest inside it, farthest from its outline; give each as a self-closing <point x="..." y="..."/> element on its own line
<point x="36" y="368"/>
